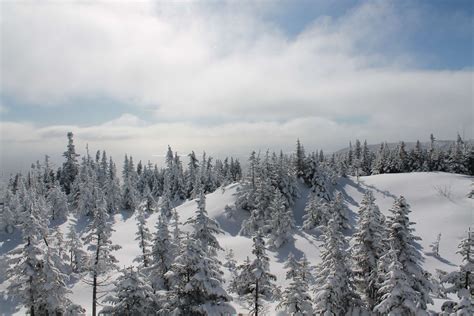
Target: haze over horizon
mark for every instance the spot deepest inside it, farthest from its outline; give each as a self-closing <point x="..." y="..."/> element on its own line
<point x="229" y="77"/>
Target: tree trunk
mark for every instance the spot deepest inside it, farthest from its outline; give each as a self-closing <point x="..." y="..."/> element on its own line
<point x="94" y="284"/>
<point x="256" y="298"/>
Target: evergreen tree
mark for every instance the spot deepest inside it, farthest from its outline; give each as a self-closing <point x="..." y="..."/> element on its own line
<point x="397" y="294"/>
<point x="255" y="283"/>
<point x="317" y="212"/>
<point x="77" y="256"/>
<point x="58" y="201"/>
<point x="130" y="195"/>
<point x="98" y="238"/>
<point x="334" y="293"/>
<point x="197" y="282"/>
<point x="205" y="228"/>
<point x="295" y="299"/>
<point x="112" y="188"/>
<point x="70" y="166"/>
<point x="340" y="212"/>
<point x="300" y="160"/>
<point x="367" y="248"/>
<point x="132" y="295"/>
<point x="405" y="246"/>
<point x="143" y="236"/>
<point x="281" y="222"/>
<point x="162" y="253"/>
<point x="462" y="281"/>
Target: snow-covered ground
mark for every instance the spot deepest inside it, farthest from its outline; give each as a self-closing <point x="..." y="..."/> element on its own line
<point x="438" y="202"/>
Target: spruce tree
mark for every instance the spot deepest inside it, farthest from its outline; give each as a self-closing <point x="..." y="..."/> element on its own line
<point x="162" y="254"/>
<point x="132" y="295"/>
<point x="143" y="236"/>
<point x="334" y="291"/>
<point x="281" y="222"/>
<point x="100" y="244"/>
<point x="295" y="298"/>
<point x="254" y="282"/>
<point x="70" y="166"/>
<point x="367" y="247"/>
<point x="461" y="282"/>
<point x="405" y="246"/>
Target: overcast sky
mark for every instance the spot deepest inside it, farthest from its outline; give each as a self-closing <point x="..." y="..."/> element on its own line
<point x="230" y="76"/>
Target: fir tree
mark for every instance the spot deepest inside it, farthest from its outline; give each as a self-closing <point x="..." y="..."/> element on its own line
<point x="143" y="236"/>
<point x="295" y="299"/>
<point x="461" y="282"/>
<point x="70" y="166"/>
<point x="281" y="222"/>
<point x="368" y="247"/>
<point x="205" y="228"/>
<point x="334" y="291"/>
<point x="77" y="255"/>
<point x="102" y="261"/>
<point x="397" y="294"/>
<point x="162" y="253"/>
<point x="132" y="295"/>
<point x="404" y="244"/>
<point x="255" y="283"/>
<point x="317" y="212"/>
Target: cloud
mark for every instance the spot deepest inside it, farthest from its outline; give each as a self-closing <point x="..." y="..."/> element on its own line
<point x="222" y="77"/>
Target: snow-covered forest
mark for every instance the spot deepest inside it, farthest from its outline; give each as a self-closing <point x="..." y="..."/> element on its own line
<point x="298" y="234"/>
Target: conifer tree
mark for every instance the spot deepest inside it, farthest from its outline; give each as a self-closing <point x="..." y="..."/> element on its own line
<point x="162" y="253"/>
<point x="70" y="166"/>
<point x="58" y="201"/>
<point x="367" y="247"/>
<point x="281" y="222"/>
<point x="143" y="236"/>
<point x="404" y="244"/>
<point x="205" y="229"/>
<point x="78" y="257"/>
<point x="397" y="294"/>
<point x="197" y="282"/>
<point x="317" y="212"/>
<point x="295" y="299"/>
<point x="102" y="260"/>
<point x="112" y="188"/>
<point x="334" y="291"/>
<point x="461" y="282"/>
<point x="132" y="295"/>
<point x="254" y="282"/>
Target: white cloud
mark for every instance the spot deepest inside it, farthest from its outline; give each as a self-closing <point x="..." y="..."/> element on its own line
<point x="199" y="63"/>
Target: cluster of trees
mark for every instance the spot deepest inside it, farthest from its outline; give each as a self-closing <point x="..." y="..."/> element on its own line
<point x="458" y="157"/>
<point x="377" y="269"/>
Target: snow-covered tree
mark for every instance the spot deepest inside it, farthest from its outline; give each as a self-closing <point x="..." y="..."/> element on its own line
<point x="404" y="244"/>
<point x="70" y="166"/>
<point x="196" y="282"/>
<point x="132" y="295"/>
<point x="254" y="282"/>
<point x="368" y="246"/>
<point x="100" y="244"/>
<point x="143" y="236"/>
<point x="281" y="222"/>
<point x="112" y="189"/>
<point x="205" y="228"/>
<point x="130" y="194"/>
<point x="435" y="245"/>
<point x="317" y="212"/>
<point x="461" y="282"/>
<point x="295" y="298"/>
<point x="77" y="255"/>
<point x="340" y="212"/>
<point x="397" y="294"/>
<point x="162" y="253"/>
<point x="58" y="201"/>
<point x="334" y="291"/>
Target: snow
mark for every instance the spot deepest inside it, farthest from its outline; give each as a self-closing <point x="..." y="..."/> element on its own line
<point x="438" y="202"/>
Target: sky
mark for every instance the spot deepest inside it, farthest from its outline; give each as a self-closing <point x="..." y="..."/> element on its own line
<point x="230" y="76"/>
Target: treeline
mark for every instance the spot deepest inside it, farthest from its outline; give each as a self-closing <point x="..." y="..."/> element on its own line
<point x="458" y="157"/>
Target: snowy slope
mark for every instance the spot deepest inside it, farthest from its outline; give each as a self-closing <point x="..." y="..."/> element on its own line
<point x="438" y="202"/>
